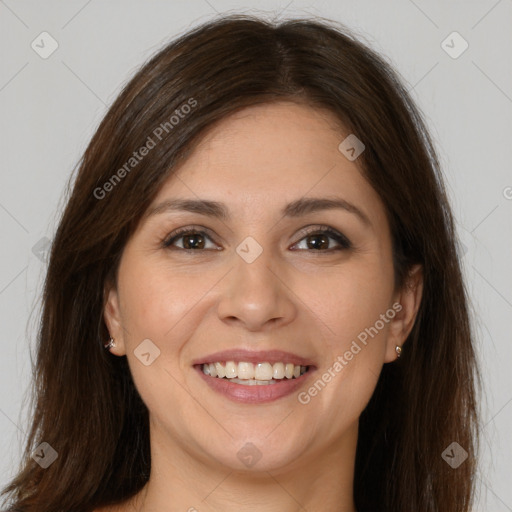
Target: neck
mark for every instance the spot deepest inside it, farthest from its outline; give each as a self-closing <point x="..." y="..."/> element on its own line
<point x="179" y="481"/>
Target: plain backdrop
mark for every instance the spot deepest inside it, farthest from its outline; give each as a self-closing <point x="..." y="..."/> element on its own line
<point x="50" y="107"/>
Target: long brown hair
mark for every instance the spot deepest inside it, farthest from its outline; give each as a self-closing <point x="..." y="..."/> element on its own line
<point x="86" y="405"/>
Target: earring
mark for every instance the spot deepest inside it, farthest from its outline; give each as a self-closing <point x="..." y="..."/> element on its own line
<point x="111" y="343"/>
<point x="398" y="350"/>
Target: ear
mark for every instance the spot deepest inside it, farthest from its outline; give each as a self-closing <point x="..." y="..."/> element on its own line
<point x="406" y="305"/>
<point x="113" y="321"/>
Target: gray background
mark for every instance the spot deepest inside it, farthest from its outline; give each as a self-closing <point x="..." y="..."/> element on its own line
<point x="49" y="109"/>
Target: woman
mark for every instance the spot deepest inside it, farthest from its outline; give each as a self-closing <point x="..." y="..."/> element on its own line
<point x="254" y="300"/>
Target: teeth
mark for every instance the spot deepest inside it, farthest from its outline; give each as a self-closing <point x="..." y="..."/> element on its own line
<point x="278" y="372"/>
<point x="254" y="382"/>
<point x="231" y="370"/>
<point x="221" y="371"/>
<point x="263" y="371"/>
<point x="245" y="371"/>
<point x="253" y="374"/>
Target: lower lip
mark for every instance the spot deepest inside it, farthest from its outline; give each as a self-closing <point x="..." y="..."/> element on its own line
<point x="254" y="394"/>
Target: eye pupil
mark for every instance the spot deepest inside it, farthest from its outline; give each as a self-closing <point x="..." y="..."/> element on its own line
<point x="193" y="245"/>
<point x="324" y="244"/>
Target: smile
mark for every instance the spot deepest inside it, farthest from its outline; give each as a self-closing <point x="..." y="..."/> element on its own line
<point x="249" y="374"/>
<point x="260" y="384"/>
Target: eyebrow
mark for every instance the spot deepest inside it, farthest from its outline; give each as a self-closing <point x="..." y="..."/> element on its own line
<point x="298" y="208"/>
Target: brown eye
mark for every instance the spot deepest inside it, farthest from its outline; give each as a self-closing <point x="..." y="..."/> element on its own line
<point x="192" y="239"/>
<point x="318" y="240"/>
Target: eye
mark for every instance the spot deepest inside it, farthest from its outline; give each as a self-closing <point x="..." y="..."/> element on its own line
<point x="317" y="239"/>
<point x="193" y="239"/>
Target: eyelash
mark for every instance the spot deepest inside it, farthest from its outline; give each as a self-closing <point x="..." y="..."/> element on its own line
<point x="343" y="241"/>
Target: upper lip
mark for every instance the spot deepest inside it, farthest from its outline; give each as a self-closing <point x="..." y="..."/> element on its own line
<point x="252" y="356"/>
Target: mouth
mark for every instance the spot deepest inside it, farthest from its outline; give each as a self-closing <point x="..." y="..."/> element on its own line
<point x="252" y="380"/>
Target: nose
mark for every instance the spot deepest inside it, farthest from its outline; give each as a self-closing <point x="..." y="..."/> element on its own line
<point x="257" y="294"/>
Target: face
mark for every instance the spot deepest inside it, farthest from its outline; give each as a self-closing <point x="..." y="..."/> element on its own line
<point x="271" y="274"/>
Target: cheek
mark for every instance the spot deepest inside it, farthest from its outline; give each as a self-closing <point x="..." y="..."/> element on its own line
<point x="155" y="298"/>
<point x="349" y="302"/>
<point x="154" y="307"/>
<point x="349" y="299"/>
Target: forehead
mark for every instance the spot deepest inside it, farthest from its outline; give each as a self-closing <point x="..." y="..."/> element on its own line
<point x="271" y="154"/>
<point x="284" y="136"/>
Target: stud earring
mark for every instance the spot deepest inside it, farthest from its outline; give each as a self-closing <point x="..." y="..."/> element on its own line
<point x="398" y="350"/>
<point x="110" y="344"/>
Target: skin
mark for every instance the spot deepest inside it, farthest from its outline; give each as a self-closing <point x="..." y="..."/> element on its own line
<point x="191" y="304"/>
